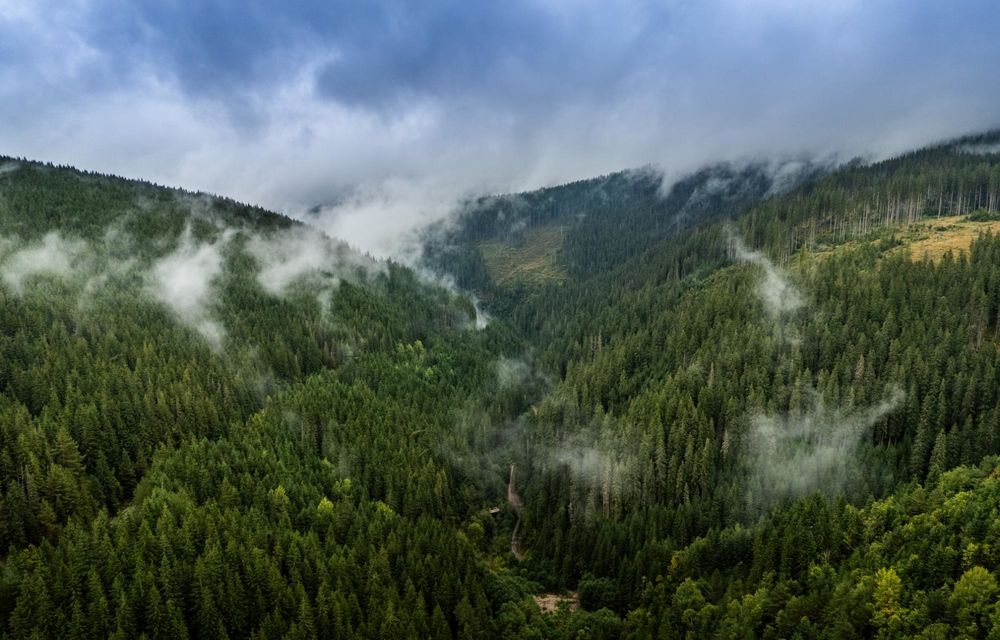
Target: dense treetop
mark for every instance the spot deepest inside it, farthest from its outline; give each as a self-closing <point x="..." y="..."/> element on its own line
<point x="737" y="405"/>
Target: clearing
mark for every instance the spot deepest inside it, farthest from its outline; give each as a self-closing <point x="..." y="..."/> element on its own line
<point x="533" y="259"/>
<point x="936" y="236"/>
<point x="550" y="602"/>
<point x="933" y="237"/>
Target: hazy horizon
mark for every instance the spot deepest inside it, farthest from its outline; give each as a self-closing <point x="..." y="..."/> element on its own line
<point x="388" y="114"/>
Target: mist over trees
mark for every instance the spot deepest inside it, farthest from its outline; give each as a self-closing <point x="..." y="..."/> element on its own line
<point x="738" y="405"/>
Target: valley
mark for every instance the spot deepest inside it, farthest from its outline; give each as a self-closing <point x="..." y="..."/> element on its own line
<point x="709" y="431"/>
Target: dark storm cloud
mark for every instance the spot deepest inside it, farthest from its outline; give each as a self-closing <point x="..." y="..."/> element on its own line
<point x="393" y="109"/>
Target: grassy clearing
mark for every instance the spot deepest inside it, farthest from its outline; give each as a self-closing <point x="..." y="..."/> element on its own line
<point x="533" y="261"/>
<point x="935" y="237"/>
<point x="551" y="602"/>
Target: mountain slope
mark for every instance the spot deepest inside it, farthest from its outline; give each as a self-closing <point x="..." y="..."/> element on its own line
<point x="744" y="406"/>
<point x="702" y="383"/>
<point x="219" y="423"/>
<point x="593" y="226"/>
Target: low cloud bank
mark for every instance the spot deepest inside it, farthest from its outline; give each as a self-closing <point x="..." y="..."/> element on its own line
<point x="796" y="453"/>
<point x="779" y="296"/>
<point x="810" y="448"/>
<point x="183" y="280"/>
<point x="53" y="255"/>
<point x="980" y="149"/>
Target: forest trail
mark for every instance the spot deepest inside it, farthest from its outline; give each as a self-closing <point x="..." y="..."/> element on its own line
<point x="514" y="501"/>
<point x="512" y="498"/>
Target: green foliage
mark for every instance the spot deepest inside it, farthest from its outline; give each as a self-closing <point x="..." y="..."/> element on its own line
<point x="331" y="459"/>
<point x="294" y="480"/>
<point x="900" y="578"/>
<point x="642" y="457"/>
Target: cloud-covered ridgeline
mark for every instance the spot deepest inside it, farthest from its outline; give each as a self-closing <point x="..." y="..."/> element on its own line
<point x="394" y="111"/>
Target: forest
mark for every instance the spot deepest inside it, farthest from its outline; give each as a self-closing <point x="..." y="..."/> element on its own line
<point x="758" y="401"/>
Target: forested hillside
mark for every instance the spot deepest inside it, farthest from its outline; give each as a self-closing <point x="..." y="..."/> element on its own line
<point x="762" y="400"/>
<point x="583" y="223"/>
<point x="219" y="423"/>
<point x="733" y="397"/>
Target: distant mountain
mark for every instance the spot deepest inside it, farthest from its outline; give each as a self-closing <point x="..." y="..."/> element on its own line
<point x="497" y="244"/>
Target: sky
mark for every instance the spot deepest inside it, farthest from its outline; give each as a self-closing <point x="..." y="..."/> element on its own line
<point x="388" y="112"/>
